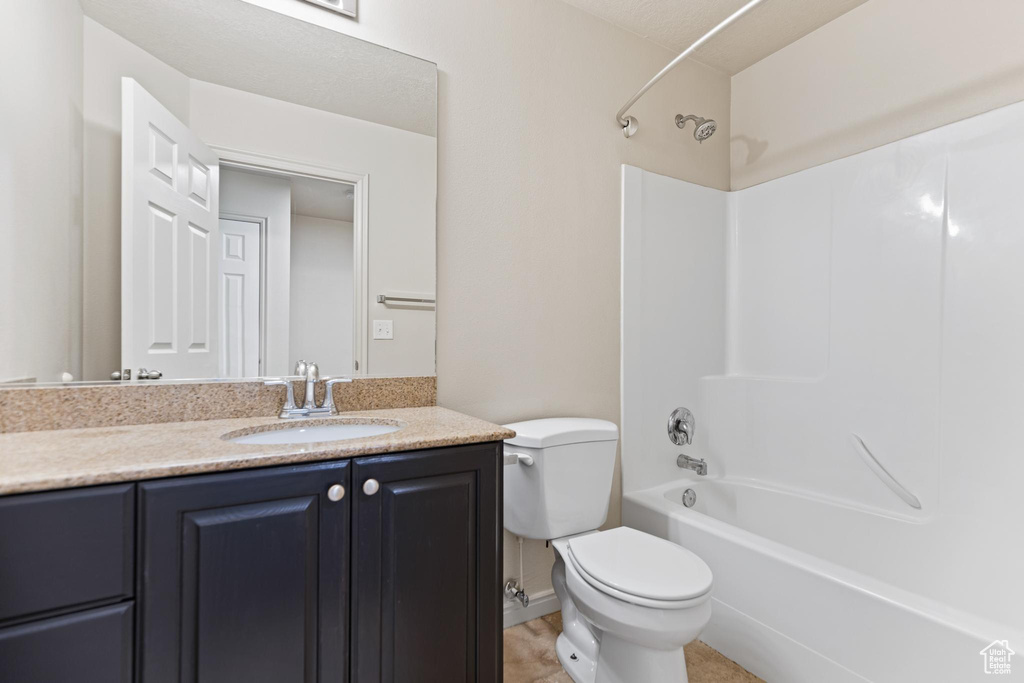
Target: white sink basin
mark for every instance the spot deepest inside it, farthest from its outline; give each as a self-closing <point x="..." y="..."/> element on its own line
<point x="315" y="433"/>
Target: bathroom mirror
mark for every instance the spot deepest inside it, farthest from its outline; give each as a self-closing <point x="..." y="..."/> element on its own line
<point x="183" y="201"/>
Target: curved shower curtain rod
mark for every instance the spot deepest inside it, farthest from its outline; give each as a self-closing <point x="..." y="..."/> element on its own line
<point x="629" y="123"/>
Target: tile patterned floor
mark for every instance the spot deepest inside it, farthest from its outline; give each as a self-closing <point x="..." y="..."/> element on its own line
<point x="530" y="657"/>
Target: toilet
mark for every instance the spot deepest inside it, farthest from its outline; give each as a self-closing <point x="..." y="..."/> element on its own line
<point x="630" y="601"/>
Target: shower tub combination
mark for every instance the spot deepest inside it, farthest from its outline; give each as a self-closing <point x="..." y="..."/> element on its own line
<point x="848" y="338"/>
<point x="802" y="592"/>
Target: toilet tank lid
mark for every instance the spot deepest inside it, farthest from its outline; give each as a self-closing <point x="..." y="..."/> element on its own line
<point x="559" y="431"/>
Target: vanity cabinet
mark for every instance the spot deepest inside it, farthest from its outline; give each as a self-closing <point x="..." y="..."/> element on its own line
<point x="373" y="569"/>
<point x="265" y="576"/>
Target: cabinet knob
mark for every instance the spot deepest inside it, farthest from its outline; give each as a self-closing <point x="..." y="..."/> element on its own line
<point x="336" y="492"/>
<point x="371" y="486"/>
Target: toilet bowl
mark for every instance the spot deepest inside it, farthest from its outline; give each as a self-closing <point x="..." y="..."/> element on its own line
<point x="630" y="601"/>
<point x="652" y="598"/>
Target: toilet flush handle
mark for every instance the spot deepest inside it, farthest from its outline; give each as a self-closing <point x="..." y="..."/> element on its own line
<point x="518" y="459"/>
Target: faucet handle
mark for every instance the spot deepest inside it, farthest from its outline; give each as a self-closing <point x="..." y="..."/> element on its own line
<point x="289" y="403"/>
<point x="329" y="395"/>
<point x="312" y="371"/>
<point x="681" y="427"/>
<point x="300" y="368"/>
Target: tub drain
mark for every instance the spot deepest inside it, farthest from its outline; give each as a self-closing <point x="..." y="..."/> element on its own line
<point x="689" y="497"/>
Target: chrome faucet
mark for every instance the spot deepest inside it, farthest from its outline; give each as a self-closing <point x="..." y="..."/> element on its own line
<point x="688" y="463"/>
<point x="681" y="428"/>
<point x="311" y="374"/>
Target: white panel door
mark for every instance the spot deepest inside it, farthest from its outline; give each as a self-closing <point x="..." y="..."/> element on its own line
<point x="169" y="242"/>
<point x="240" y="298"/>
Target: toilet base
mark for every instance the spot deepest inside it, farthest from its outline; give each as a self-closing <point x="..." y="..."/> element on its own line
<point x="577" y="644"/>
<point x="619" y="661"/>
<point x="591" y="647"/>
<point x="582" y="669"/>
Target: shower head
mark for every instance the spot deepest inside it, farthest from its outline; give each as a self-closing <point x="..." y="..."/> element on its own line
<point x="705" y="127"/>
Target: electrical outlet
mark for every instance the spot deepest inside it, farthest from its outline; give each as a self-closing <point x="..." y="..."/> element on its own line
<point x="383" y="329"/>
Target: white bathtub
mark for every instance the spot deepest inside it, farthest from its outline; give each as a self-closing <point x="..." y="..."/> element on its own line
<point x="810" y="590"/>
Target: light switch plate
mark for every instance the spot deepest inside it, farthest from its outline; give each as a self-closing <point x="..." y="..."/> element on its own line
<point x="383" y="329"/>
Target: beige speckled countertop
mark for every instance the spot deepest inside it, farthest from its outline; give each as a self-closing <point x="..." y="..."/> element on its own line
<point x="37" y="461"/>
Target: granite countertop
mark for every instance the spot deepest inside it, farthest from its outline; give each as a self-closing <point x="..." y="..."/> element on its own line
<point x="66" y="458"/>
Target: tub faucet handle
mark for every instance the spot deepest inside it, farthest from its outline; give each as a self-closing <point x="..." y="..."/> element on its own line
<point x="681" y="427"/>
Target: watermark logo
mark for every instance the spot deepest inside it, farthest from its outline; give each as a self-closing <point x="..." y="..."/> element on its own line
<point x="997" y="656"/>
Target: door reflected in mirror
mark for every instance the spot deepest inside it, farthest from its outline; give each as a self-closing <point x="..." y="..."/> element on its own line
<point x="196" y="205"/>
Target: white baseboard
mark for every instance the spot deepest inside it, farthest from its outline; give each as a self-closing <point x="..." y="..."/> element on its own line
<point x="540" y="605"/>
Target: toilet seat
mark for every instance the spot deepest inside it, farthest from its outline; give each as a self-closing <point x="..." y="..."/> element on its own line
<point x="639" y="568"/>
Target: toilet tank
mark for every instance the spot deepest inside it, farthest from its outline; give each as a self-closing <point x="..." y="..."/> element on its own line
<point x="566" y="489"/>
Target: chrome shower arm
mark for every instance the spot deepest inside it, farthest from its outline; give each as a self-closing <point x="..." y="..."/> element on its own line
<point x="629" y="123"/>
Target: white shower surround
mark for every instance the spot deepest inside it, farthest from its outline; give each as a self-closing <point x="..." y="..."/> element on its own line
<point x="880" y="295"/>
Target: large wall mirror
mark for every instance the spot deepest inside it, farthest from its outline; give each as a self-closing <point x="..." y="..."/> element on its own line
<point x="196" y="189"/>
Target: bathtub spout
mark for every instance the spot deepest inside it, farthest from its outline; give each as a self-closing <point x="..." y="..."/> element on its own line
<point x="688" y="463"/>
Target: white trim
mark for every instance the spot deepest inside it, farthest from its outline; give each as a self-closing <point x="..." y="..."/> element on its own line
<point x="360" y="274"/>
<point x="360" y="226"/>
<point x="630" y="316"/>
<point x="540" y="605"/>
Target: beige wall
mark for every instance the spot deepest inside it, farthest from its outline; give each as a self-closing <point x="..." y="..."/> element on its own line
<point x="884" y="71"/>
<point x="40" y="190"/>
<point x="528" y="196"/>
<point x="320" y="324"/>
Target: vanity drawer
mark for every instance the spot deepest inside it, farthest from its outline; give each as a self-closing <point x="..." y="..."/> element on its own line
<point x="94" y="646"/>
<point x="66" y="548"/>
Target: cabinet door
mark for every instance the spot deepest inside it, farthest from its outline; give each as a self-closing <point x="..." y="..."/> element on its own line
<point x="244" y="577"/>
<point x="426" y="583"/>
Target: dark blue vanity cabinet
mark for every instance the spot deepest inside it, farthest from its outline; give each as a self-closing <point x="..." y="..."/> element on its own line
<point x="261" y="576"/>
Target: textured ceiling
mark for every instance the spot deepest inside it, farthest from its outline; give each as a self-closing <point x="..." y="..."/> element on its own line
<point x="239" y="45"/>
<point x="676" y="24"/>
